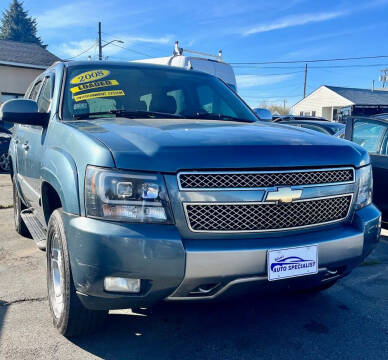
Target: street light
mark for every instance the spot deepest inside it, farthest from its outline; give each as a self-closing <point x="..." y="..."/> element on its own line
<point x="110" y="42"/>
<point x="102" y="46"/>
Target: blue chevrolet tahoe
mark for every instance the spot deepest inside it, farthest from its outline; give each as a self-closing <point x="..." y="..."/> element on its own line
<point x="147" y="183"/>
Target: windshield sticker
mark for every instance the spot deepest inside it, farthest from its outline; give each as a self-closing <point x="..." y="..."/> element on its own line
<point x="98" y="94"/>
<point x="93" y="85"/>
<point x="91" y="75"/>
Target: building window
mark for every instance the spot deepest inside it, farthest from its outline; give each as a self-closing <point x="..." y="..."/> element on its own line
<point x="301" y="113"/>
<point x="313" y="113"/>
<point x="8" y="96"/>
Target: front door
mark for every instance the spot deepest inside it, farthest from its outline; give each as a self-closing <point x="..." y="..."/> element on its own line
<point x="372" y="134"/>
<point x="22" y="134"/>
<point x="34" y="139"/>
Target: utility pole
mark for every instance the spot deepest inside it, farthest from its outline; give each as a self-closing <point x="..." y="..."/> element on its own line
<point x="99" y="42"/>
<point x="305" y="81"/>
<point x="284" y="104"/>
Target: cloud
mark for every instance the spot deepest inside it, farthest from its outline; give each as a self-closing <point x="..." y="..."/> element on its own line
<point x="89" y="46"/>
<point x="247" y="81"/>
<point x="80" y="14"/>
<point x="294" y="20"/>
<point x="73" y="48"/>
<point x="167" y="39"/>
<point x="75" y="14"/>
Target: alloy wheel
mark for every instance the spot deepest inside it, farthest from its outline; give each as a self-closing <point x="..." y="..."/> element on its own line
<point x="56" y="284"/>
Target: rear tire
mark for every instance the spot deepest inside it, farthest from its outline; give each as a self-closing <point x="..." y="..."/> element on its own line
<point x="70" y="317"/>
<point x="18" y="207"/>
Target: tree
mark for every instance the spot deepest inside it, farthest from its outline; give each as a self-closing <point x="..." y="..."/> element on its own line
<point x="18" y="26"/>
<point x="281" y="110"/>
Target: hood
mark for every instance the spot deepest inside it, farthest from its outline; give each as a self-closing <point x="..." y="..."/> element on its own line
<point x="169" y="145"/>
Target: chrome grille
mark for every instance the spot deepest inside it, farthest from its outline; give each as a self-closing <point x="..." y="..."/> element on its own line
<point x="247" y="180"/>
<point x="252" y="217"/>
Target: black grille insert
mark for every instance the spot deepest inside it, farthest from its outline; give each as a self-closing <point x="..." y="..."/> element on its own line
<point x="232" y="180"/>
<point x="265" y="216"/>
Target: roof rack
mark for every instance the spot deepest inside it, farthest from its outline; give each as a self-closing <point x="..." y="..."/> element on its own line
<point x="178" y="51"/>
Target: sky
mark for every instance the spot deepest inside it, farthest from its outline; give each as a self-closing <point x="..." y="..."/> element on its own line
<point x="246" y="31"/>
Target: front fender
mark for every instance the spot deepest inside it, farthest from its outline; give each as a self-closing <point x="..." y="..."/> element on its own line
<point x="60" y="171"/>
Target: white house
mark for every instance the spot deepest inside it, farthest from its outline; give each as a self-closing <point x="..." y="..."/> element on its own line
<point x="326" y="101"/>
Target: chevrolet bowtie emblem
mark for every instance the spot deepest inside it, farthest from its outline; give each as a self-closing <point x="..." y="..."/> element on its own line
<point x="284" y="195"/>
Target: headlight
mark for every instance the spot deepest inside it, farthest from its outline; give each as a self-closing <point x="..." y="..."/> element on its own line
<point x="121" y="196"/>
<point x="365" y="186"/>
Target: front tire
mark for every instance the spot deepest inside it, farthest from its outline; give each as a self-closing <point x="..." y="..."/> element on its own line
<point x="70" y="317"/>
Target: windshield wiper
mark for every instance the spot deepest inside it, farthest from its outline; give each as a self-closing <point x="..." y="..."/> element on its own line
<point x="216" y="116"/>
<point x="137" y="113"/>
<point x="129" y="114"/>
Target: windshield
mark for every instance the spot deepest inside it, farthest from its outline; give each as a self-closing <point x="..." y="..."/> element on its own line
<point x="142" y="92"/>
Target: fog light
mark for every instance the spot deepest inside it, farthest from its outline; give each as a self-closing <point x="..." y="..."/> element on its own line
<point x="120" y="284"/>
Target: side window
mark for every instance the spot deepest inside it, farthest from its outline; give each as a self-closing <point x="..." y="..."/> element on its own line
<point x="35" y="90"/>
<point x="384" y="149"/>
<point x="44" y="100"/>
<point x="369" y="134"/>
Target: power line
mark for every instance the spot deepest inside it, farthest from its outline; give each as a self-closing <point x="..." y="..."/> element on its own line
<point x="310" y="67"/>
<point x="83" y="52"/>
<point x="272" y="97"/>
<point x="285" y="73"/>
<point x="309" y="61"/>
<point x="131" y="50"/>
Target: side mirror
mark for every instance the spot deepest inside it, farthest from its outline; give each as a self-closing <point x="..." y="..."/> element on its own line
<point x="349" y="128"/>
<point x="23" y="111"/>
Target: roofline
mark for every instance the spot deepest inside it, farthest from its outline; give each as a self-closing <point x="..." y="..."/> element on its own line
<point x="306" y="96"/>
<point x="328" y="88"/>
<point x="23" y="65"/>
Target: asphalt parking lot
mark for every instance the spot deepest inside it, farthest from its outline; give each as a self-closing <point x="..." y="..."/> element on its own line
<point x="348" y="321"/>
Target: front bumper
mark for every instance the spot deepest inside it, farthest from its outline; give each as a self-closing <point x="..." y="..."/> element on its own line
<point x="174" y="269"/>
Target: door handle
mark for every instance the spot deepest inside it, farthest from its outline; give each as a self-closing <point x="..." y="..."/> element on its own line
<point x="25" y="146"/>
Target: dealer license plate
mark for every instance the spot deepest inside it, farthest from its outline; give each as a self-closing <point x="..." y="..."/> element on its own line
<point x="292" y="262"/>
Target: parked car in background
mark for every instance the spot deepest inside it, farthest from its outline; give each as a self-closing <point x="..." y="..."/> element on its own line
<point x="372" y="134"/>
<point x="326" y="127"/>
<point x="148" y="183"/>
<point x="263" y="114"/>
<point x="278" y="118"/>
<point x="5" y="138"/>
